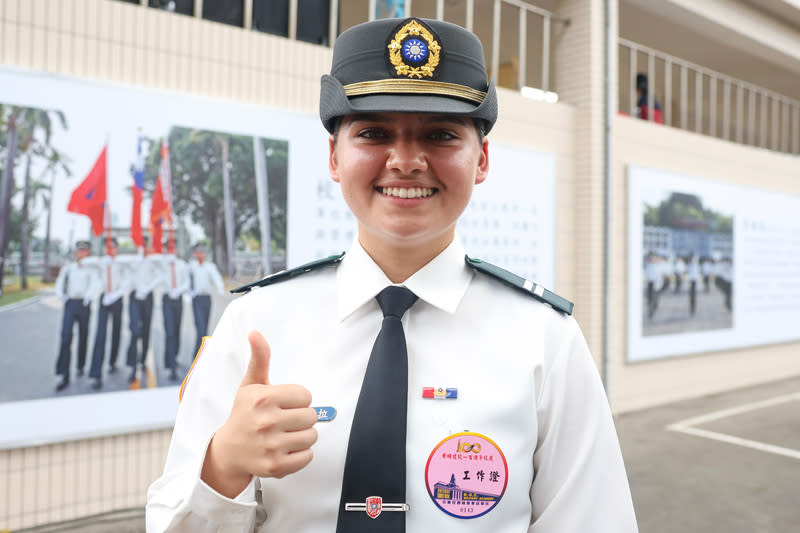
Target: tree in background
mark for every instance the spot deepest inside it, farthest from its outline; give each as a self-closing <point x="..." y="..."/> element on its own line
<point x="197" y="185"/>
<point x="57" y="163"/>
<point x="680" y="209"/>
<point x="25" y="132"/>
<point x="9" y="116"/>
<point x="35" y="131"/>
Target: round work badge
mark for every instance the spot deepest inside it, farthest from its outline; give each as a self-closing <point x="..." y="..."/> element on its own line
<point x="466" y="475"/>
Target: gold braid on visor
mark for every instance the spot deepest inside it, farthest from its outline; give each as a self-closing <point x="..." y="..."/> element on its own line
<point x="400" y="86"/>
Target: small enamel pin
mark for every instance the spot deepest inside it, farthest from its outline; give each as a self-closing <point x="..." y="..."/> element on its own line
<point x="440" y="393"/>
<point x="325" y="414"/>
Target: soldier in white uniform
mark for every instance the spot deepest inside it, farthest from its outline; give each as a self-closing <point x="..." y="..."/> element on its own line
<point x="174" y="283"/>
<point x="204" y="277"/>
<point x="506" y="426"/>
<point x="77" y="284"/>
<point x="693" y="277"/>
<point x="145" y="278"/>
<point x="115" y="282"/>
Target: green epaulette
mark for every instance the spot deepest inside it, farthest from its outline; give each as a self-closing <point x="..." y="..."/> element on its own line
<point x="283" y="275"/>
<point x="537" y="291"/>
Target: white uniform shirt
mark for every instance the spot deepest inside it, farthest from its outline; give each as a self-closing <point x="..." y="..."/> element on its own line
<point x="174" y="274"/>
<point x="205" y="278"/>
<point x="114" y="278"/>
<point x="145" y="275"/>
<point x="680" y="267"/>
<point x="693" y="270"/>
<point x="78" y="281"/>
<point x="525" y="380"/>
<point x="652" y="271"/>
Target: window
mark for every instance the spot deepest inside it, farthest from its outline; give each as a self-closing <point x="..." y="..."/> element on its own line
<point x="224" y="11"/>
<point x="184" y="7"/>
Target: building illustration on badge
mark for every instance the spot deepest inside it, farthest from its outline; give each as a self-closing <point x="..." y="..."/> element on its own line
<point x="466" y="475"/>
<point x="457" y="496"/>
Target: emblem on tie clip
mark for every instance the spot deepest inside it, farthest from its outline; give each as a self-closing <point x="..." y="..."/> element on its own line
<point x="374" y="505"/>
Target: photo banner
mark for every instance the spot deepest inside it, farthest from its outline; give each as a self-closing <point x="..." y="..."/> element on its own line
<point x="712" y="265"/>
<point x="215" y="147"/>
<point x="207" y="140"/>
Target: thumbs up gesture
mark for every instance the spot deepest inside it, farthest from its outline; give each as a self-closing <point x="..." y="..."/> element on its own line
<point x="269" y="432"/>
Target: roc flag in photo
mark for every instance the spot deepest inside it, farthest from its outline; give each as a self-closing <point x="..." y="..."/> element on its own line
<point x="136" y="190"/>
<point x="89" y="197"/>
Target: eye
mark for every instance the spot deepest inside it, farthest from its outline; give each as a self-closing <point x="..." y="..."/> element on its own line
<point x="442" y="136"/>
<point x="372" y="133"/>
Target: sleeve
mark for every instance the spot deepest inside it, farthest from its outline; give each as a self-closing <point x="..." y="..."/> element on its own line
<point x="580" y="482"/>
<point x="159" y="272"/>
<point x="216" y="278"/>
<point x="126" y="277"/>
<point x="95" y="283"/>
<point x="185" y="282"/>
<point x="179" y="501"/>
<point x="62" y="274"/>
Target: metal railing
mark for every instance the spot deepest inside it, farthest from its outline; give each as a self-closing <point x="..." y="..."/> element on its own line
<point x="516" y="34"/>
<point x="524" y="63"/>
<point x="698" y="99"/>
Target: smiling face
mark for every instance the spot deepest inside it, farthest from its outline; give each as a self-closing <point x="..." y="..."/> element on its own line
<point x="407" y="177"/>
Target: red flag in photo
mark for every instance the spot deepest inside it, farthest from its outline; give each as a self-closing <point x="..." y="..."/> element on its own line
<point x="89" y="197"/>
<point x="157" y="235"/>
<point x="161" y="205"/>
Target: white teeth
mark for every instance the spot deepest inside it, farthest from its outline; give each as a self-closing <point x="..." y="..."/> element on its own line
<point x="412" y="192"/>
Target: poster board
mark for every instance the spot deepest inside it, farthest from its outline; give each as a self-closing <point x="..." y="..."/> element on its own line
<point x="746" y="294"/>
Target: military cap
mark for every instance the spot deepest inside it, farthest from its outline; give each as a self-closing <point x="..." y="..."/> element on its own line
<point x="411" y="65"/>
<point x="199" y="247"/>
<point x="82" y="245"/>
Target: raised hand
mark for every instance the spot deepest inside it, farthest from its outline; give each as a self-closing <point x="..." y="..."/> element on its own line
<point x="269" y="432"/>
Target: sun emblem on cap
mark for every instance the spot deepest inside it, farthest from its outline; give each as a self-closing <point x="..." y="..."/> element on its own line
<point x="414" y="51"/>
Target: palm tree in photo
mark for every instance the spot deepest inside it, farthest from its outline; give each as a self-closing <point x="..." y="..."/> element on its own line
<point x="32" y="122"/>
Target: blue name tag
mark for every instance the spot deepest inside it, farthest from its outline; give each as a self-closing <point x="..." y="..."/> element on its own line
<point x="325" y="414"/>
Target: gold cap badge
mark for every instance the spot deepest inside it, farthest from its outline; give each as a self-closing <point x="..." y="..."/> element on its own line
<point x="414" y="51"/>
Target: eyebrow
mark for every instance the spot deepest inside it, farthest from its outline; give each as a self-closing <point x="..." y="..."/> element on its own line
<point x="425" y="118"/>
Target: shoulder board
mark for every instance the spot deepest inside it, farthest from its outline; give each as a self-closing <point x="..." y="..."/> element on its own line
<point x="284" y="275"/>
<point x="537" y="291"/>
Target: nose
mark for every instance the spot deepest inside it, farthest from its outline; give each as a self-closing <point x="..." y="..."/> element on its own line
<point x="406" y="156"/>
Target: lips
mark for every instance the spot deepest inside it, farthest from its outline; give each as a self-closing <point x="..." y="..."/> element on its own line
<point x="407" y="192"/>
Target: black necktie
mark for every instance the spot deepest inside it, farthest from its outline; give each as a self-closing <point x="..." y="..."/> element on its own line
<point x="376" y="454"/>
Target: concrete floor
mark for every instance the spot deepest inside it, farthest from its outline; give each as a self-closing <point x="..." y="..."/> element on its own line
<point x="738" y="472"/>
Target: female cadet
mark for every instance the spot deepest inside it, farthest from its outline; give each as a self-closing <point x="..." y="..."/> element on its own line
<point x="477" y="408"/>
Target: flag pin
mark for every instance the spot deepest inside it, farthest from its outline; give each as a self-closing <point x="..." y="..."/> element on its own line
<point x="440" y="393"/>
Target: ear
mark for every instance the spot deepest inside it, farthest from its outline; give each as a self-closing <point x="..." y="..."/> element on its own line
<point x="333" y="164"/>
<point x="483" y="163"/>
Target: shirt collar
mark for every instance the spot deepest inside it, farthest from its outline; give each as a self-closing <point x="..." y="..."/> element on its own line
<point x="441" y="283"/>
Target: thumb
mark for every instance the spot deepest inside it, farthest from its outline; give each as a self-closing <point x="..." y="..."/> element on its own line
<point x="258" y="369"/>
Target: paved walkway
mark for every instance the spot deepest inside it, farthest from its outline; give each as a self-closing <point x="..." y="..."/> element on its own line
<point x="727" y="462"/>
<point x="673" y="313"/>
